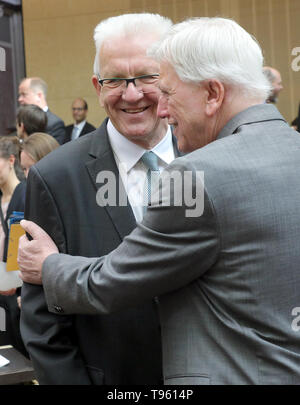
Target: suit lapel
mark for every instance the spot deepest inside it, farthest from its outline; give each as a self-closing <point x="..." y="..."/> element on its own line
<point x="69" y="131"/>
<point x="102" y="159"/>
<point x="83" y="132"/>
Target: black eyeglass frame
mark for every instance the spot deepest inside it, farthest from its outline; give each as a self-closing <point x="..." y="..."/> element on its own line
<point x="131" y="80"/>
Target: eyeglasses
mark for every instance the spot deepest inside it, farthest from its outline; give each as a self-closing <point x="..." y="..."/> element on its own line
<point x="142" y="83"/>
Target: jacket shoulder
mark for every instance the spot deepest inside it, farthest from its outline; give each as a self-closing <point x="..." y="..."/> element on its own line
<point x="53" y="117"/>
<point x="90" y="126"/>
<point x="70" y="155"/>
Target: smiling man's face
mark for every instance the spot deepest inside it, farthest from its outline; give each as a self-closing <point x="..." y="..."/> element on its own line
<point x="132" y="112"/>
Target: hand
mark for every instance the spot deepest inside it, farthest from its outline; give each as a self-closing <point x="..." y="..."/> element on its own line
<point x="8" y="292"/>
<point x="32" y="253"/>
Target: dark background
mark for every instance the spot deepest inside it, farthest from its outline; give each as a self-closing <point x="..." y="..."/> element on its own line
<point x="11" y="40"/>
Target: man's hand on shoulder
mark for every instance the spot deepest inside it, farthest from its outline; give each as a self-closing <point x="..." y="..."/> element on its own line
<point x="33" y="253"/>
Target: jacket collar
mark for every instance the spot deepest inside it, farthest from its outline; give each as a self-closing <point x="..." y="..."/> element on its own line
<point x="257" y="113"/>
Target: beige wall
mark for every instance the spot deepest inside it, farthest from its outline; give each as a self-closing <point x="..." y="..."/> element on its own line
<point x="59" y="41"/>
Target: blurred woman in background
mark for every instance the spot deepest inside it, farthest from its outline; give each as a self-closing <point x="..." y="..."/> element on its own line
<point x="34" y="148"/>
<point x="12" y="198"/>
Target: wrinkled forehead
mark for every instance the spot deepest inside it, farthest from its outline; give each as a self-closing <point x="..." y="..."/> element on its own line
<point x="128" y="53"/>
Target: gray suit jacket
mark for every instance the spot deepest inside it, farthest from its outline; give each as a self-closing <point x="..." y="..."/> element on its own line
<point x="228" y="280"/>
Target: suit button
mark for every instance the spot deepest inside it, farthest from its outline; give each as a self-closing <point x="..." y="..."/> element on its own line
<point x="58" y="309"/>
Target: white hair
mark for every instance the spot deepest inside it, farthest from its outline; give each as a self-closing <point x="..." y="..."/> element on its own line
<point x="129" y="24"/>
<point x="205" y="48"/>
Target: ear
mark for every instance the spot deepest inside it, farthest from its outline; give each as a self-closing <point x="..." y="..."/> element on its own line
<point x="98" y="88"/>
<point x="215" y="91"/>
<point x="40" y="95"/>
<point x="20" y="128"/>
<point x="12" y="160"/>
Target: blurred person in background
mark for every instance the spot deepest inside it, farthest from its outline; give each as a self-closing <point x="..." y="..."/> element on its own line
<point x="80" y="126"/>
<point x="12" y="198"/>
<point x="274" y="77"/>
<point x="30" y="118"/>
<point x="35" y="148"/>
<point x="33" y="90"/>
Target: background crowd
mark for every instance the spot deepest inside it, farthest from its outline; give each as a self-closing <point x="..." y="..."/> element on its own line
<point x="38" y="132"/>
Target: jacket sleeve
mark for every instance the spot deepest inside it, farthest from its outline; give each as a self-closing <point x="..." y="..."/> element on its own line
<point x="171" y="248"/>
<point x="50" y="339"/>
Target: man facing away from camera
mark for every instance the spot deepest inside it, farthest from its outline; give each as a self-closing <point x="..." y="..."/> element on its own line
<point x="33" y="90"/>
<point x="227" y="279"/>
<point x="122" y="348"/>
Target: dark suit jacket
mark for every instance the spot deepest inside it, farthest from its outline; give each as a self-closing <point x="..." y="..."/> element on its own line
<point x="55" y="127"/>
<point x="85" y="130"/>
<point x="122" y="348"/>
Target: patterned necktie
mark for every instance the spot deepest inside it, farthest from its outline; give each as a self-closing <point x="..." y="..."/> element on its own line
<point x="150" y="161"/>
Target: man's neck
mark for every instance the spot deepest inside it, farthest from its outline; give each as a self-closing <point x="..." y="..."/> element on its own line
<point x="79" y="122"/>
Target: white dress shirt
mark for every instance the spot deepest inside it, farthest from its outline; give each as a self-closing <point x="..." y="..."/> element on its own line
<point x="132" y="171"/>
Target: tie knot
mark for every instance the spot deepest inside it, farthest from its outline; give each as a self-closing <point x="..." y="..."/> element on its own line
<point x="150" y="161"/>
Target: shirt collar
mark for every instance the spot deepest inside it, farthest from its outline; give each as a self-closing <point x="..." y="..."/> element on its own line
<point x="128" y="153"/>
<point x="80" y="125"/>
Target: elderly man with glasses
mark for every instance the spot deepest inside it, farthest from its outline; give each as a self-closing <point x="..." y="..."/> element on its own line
<point x="63" y="198"/>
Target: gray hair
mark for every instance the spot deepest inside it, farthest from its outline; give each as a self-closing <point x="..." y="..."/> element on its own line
<point x="128" y="24"/>
<point x="205" y="48"/>
<point x="37" y="84"/>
